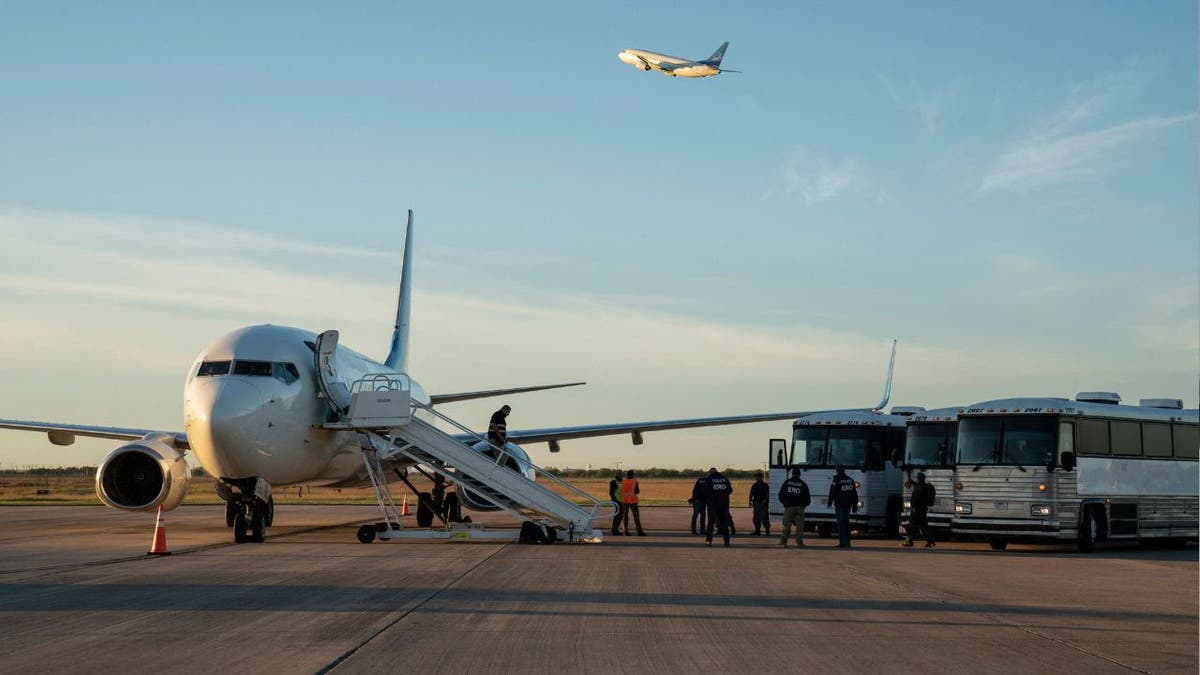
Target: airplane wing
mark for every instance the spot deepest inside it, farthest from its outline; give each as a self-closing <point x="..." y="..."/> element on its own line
<point x="64" y="434"/>
<point x="636" y="428"/>
<point x="666" y="67"/>
<point x="466" y="396"/>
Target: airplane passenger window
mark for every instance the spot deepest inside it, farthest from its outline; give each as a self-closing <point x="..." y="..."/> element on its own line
<point x="253" y="368"/>
<point x="213" y="368"/>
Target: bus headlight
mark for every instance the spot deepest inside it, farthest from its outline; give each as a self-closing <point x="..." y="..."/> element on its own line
<point x="1039" y="510"/>
<point x="964" y="509"/>
<point x="907" y="504"/>
<point x="860" y="504"/>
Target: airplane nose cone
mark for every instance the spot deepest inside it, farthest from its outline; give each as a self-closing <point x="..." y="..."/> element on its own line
<point x="223" y="419"/>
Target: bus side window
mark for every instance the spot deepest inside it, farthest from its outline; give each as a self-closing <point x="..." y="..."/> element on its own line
<point x="1093" y="437"/>
<point x="1126" y="438"/>
<point x="1187" y="440"/>
<point x="1156" y="439"/>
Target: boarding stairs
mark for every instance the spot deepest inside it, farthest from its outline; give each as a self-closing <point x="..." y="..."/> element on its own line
<point x="391" y="425"/>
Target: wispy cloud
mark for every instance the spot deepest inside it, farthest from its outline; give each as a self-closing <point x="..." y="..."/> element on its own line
<point x="931" y="105"/>
<point x="1042" y="161"/>
<point x="1083" y="139"/>
<point x="815" y="179"/>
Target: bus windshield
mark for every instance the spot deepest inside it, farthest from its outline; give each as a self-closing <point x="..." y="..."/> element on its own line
<point x="930" y="444"/>
<point x="1019" y="441"/>
<point x="830" y="446"/>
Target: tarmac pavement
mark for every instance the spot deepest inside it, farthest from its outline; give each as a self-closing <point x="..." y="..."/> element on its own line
<point x="78" y="593"/>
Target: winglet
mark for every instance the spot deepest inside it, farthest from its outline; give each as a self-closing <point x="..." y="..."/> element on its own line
<point x="887" y="384"/>
<point x="397" y="358"/>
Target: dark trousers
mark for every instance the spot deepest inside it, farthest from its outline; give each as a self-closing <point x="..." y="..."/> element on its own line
<point x="637" y="518"/>
<point x="843" y="523"/>
<point x="718" y="517"/>
<point x="617" y="518"/>
<point x="762" y="518"/>
<point x="698" y="510"/>
<point x="918" y="524"/>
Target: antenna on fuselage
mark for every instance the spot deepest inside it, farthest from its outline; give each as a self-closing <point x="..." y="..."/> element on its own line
<point x="397" y="358"/>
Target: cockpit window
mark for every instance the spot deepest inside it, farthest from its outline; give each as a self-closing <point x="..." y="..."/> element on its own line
<point x="254" y="368"/>
<point x="286" y="372"/>
<point x="213" y="368"/>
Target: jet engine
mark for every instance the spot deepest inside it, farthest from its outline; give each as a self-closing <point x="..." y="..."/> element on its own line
<point x="516" y="459"/>
<point x="143" y="475"/>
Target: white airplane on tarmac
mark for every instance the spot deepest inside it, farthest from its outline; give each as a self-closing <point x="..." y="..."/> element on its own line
<point x="259" y="413"/>
<point x="675" y="66"/>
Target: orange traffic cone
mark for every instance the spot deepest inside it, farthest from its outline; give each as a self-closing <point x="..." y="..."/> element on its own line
<point x="404" y="505"/>
<point x="159" y="545"/>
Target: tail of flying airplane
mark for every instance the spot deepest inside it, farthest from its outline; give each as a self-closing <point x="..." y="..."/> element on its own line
<point x="397" y="358"/>
<point x="887" y="383"/>
<point x="715" y="59"/>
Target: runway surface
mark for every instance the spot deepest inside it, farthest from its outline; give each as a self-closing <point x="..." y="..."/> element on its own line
<point x="77" y="594"/>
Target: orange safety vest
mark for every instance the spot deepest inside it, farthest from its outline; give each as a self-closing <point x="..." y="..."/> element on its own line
<point x="629" y="491"/>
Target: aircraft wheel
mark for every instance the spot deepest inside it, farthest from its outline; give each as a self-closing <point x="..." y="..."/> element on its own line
<point x="258" y="524"/>
<point x="270" y="518"/>
<point x="239" y="527"/>
<point x="366" y="534"/>
<point x="231" y="510"/>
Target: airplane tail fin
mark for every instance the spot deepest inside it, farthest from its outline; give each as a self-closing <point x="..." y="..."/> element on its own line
<point x="397" y="358"/>
<point x="716" y="57"/>
<point x="887" y="383"/>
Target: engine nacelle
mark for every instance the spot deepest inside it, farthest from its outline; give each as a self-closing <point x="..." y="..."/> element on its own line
<point x="517" y="460"/>
<point x="144" y="475"/>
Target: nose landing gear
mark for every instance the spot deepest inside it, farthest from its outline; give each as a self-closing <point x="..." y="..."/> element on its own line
<point x="249" y="508"/>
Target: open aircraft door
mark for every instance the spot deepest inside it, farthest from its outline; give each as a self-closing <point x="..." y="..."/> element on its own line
<point x="332" y="388"/>
<point x="779" y="461"/>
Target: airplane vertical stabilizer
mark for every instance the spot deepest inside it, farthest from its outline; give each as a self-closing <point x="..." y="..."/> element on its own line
<point x="887" y="383"/>
<point x="397" y="358"/>
<point x="715" y="59"/>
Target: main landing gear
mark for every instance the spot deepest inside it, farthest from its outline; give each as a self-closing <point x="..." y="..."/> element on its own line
<point x="249" y="508"/>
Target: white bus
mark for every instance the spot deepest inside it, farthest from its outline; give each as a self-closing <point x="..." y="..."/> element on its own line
<point x="870" y="445"/>
<point x="931" y="441"/>
<point x="1088" y="470"/>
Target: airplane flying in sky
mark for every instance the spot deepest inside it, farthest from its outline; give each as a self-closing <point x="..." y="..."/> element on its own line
<point x="259" y="414"/>
<point x="675" y="66"/>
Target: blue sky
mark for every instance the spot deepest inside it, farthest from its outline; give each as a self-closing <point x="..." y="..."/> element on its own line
<point x="1009" y="189"/>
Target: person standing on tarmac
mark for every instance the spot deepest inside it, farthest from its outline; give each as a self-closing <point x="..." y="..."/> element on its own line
<point x="716" y="498"/>
<point x="629" y="502"/>
<point x="794" y="496"/>
<point x="697" y="502"/>
<point x="760" y="497"/>
<point x="614" y="493"/>
<point x="923" y="496"/>
<point x="843" y="497"/>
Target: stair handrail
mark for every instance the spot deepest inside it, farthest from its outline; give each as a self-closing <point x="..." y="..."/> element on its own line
<point x="502" y="454"/>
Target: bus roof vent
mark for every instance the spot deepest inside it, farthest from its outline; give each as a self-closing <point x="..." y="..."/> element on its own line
<point x="1168" y="403"/>
<point x="1109" y="397"/>
<point x="907" y="410"/>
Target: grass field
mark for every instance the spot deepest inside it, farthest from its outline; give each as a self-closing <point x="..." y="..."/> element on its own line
<point x="82" y="490"/>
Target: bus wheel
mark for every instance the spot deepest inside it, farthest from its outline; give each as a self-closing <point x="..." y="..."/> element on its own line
<point x="824" y="531"/>
<point x="1089" y="530"/>
<point x="892" y="519"/>
<point x="998" y="543"/>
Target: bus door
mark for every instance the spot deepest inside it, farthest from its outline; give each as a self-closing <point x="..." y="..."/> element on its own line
<point x="779" y="460"/>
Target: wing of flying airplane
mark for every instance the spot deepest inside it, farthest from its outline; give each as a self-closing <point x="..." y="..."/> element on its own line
<point x="468" y="395"/>
<point x="64" y="434"/>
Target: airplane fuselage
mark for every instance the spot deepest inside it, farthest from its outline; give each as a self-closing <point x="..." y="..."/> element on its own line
<point x="668" y="65"/>
<point x="260" y="415"/>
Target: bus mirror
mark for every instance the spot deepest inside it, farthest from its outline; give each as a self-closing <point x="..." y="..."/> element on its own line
<point x="1068" y="461"/>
